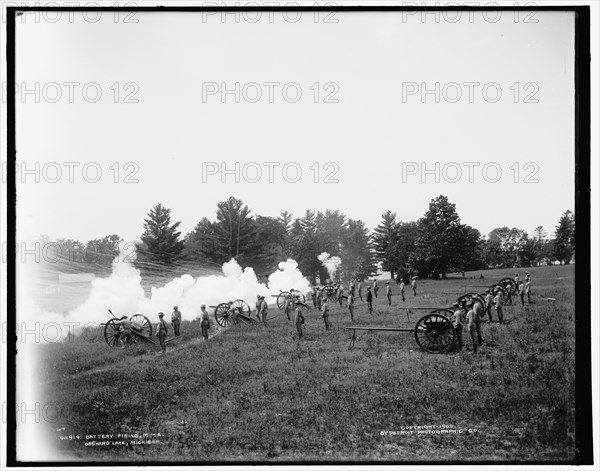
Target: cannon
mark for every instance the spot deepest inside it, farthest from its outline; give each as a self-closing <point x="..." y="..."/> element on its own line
<point x="284" y="295"/>
<point x="141" y="330"/>
<point x="509" y="284"/>
<point x="242" y="313"/>
<point x="472" y="296"/>
<point x="434" y="332"/>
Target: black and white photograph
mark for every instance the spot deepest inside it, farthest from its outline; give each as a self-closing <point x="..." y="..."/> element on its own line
<point x="311" y="233"/>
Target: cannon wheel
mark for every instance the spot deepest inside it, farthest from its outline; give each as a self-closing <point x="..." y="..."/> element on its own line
<point x="242" y="306"/>
<point x="281" y="299"/>
<point x="509" y="284"/>
<point x="434" y="332"/>
<point x="111" y="333"/>
<point x="474" y="296"/>
<point x="221" y="314"/>
<point x="142" y="325"/>
<point x="493" y="288"/>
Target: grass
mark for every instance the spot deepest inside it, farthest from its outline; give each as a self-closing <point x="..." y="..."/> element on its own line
<point x="262" y="395"/>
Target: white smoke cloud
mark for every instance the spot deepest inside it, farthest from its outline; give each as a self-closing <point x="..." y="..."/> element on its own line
<point x="123" y="293"/>
<point x="330" y="263"/>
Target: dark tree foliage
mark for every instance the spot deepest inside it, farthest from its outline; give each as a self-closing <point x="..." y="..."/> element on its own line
<point x="160" y="240"/>
<point x="564" y="238"/>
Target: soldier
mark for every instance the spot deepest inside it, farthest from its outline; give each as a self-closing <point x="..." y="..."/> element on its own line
<point x="340" y="294"/>
<point x="325" y="313"/>
<point x="479" y="313"/>
<point x="320" y="295"/>
<point x="472" y="325"/>
<point x="402" y="290"/>
<point x="232" y="312"/>
<point x="313" y="294"/>
<point x="414" y="285"/>
<point x="369" y="300"/>
<point x="489" y="301"/>
<point x="388" y="293"/>
<point x="262" y="311"/>
<point x="375" y="287"/>
<point x="258" y="303"/>
<point x="124" y="331"/>
<point x="521" y="289"/>
<point x="517" y="280"/>
<point x="528" y="289"/>
<point x="176" y="320"/>
<point x="299" y="320"/>
<point x="351" y="288"/>
<point x="360" y="290"/>
<point x="457" y="322"/>
<point x="287" y="306"/>
<point x="161" y="332"/>
<point x="351" y="305"/>
<point x="527" y="277"/>
<point x="204" y="322"/>
<point x="498" y="305"/>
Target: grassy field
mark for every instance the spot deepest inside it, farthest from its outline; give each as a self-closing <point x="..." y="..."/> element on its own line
<point x="262" y="395"/>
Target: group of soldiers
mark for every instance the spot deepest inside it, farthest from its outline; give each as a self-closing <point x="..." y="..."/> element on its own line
<point x="472" y="312"/>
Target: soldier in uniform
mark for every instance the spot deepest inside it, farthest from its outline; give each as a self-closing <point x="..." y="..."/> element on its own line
<point x="263" y="309"/>
<point x="287" y="306"/>
<point x="402" y="290"/>
<point x="313" y="294"/>
<point x="351" y="288"/>
<point x="528" y="289"/>
<point x="320" y="294"/>
<point x="489" y="301"/>
<point x="369" y="300"/>
<point x="375" y="287"/>
<point x="457" y="322"/>
<point x="521" y="290"/>
<point x="479" y="313"/>
<point x="124" y="331"/>
<point x="360" y="290"/>
<point x="161" y="332"/>
<point x="351" y="305"/>
<point x="176" y="320"/>
<point x="299" y="320"/>
<point x="204" y="322"/>
<point x="414" y="285"/>
<point x="340" y="294"/>
<point x="325" y="313"/>
<point x="258" y="303"/>
<point x="471" y="325"/>
<point x="233" y="313"/>
<point x="498" y="305"/>
<point x="388" y="293"/>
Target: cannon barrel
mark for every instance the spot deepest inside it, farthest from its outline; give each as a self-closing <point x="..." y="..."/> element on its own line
<point x="214" y="307"/>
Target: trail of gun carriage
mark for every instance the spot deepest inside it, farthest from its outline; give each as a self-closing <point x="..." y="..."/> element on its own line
<point x="419" y="341"/>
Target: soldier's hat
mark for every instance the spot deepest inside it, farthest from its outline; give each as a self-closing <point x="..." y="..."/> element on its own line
<point x="175" y="307"/>
<point x="387" y="282"/>
<point x="160" y="314"/>
<point x="487" y="290"/>
<point x="455" y="304"/>
<point x="470" y="302"/>
<point x="368" y="287"/>
<point x="258" y="296"/>
<point x="202" y="306"/>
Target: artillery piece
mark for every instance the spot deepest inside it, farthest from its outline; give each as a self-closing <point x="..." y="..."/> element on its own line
<point x="140" y="327"/>
<point x="241" y="313"/>
<point x="285" y="295"/>
<point x="434" y="332"/>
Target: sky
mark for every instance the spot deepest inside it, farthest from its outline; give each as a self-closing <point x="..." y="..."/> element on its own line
<point x="371" y="112"/>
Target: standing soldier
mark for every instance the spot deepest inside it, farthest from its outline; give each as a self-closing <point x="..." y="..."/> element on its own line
<point x="262" y="310"/>
<point x="176" y="320"/>
<point x="258" y="303"/>
<point x="402" y="290"/>
<point x="351" y="288"/>
<point x="498" y="305"/>
<point x="320" y="295"/>
<point x="479" y="312"/>
<point x="457" y="322"/>
<point x="369" y="300"/>
<point x="232" y="312"/>
<point x="161" y="332"/>
<point x="489" y="301"/>
<point x="313" y="295"/>
<point x="517" y="280"/>
<point x="527" y="277"/>
<point x="360" y="290"/>
<point x="325" y="313"/>
<point x="204" y="322"/>
<point x="414" y="285"/>
<point x="287" y="306"/>
<point x="521" y="288"/>
<point x="299" y="320"/>
<point x="375" y="287"/>
<point x="340" y="294"/>
<point x="124" y="331"/>
<point x="351" y="305"/>
<point x="471" y="325"/>
<point x="388" y="293"/>
<point x="528" y="289"/>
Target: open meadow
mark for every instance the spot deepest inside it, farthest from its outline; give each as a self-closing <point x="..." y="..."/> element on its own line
<point x="260" y="394"/>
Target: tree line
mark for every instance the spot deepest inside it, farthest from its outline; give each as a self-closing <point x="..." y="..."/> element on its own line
<point x="437" y="244"/>
<point x="434" y="245"/>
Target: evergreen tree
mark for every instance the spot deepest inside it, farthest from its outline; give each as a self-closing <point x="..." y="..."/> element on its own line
<point x="564" y="238"/>
<point x="385" y="238"/>
<point x="160" y="240"/>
